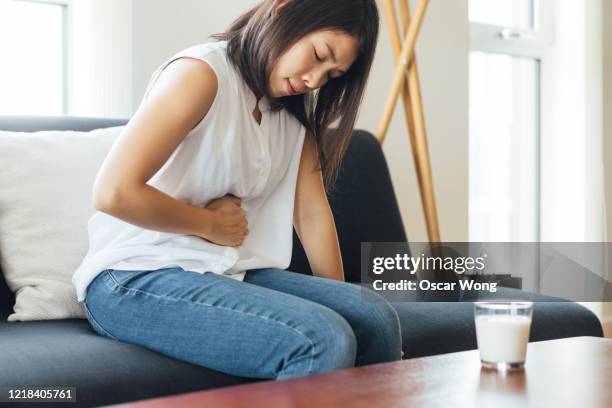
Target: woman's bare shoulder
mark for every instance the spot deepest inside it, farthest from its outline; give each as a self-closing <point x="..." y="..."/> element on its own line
<point x="180" y="99"/>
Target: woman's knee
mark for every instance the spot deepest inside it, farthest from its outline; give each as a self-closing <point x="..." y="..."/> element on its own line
<point x="332" y="344"/>
<point x="340" y="344"/>
<point x="382" y="318"/>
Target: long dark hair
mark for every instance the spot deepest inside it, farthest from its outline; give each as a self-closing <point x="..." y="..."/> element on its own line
<point x="256" y="41"/>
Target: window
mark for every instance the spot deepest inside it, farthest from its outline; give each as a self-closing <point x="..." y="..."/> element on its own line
<point x="506" y="13"/>
<point x="33" y="57"/>
<point x="508" y="43"/>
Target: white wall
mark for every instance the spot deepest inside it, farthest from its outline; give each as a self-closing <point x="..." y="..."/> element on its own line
<point x="163" y="27"/>
<point x="607" y="116"/>
<point x="102" y="58"/>
<point x="442" y="57"/>
<point x="607" y="139"/>
<point x="572" y="126"/>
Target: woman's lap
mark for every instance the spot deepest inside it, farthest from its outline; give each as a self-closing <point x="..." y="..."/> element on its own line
<point x="241" y="328"/>
<point x="218" y="322"/>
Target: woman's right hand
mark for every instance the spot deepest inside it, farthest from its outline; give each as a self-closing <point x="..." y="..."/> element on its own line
<point x="229" y="225"/>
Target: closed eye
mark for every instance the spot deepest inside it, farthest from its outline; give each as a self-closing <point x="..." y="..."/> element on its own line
<point x="317" y="56"/>
<point x="320" y="60"/>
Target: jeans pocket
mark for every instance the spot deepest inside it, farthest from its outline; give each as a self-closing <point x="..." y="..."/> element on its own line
<point x="95" y="325"/>
<point x="122" y="278"/>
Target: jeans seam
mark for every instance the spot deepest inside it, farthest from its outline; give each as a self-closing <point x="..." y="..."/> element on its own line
<point x="98" y="323"/>
<point x="220" y="307"/>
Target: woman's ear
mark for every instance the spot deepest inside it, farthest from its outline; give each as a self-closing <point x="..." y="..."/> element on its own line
<point x="277" y="6"/>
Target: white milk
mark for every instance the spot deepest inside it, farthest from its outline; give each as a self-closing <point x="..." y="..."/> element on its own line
<point x="502" y="338"/>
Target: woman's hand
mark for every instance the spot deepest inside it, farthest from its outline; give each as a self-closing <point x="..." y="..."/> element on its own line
<point x="229" y="224"/>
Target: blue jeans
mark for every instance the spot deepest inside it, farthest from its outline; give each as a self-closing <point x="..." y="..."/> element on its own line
<point x="275" y="325"/>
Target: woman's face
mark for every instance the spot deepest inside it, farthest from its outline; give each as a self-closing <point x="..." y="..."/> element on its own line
<point x="311" y="62"/>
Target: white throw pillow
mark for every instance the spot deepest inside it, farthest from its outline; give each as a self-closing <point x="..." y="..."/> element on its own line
<point x="46" y="183"/>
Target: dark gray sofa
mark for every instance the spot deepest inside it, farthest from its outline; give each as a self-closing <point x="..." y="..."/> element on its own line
<point x="104" y="371"/>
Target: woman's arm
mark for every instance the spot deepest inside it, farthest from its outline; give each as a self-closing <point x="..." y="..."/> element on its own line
<point x="180" y="98"/>
<point x="313" y="219"/>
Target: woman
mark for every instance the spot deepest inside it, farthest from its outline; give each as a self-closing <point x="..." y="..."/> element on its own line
<point x="198" y="198"/>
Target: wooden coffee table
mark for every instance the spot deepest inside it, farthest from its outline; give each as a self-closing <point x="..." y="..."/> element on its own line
<point x="573" y="372"/>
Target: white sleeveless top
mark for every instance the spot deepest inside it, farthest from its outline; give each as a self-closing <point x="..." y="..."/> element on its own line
<point x="226" y="153"/>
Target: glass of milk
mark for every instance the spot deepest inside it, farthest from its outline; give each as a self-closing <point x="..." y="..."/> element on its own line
<point x="502" y="333"/>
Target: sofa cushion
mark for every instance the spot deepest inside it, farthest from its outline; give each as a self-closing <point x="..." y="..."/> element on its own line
<point x="104" y="371"/>
<point x="430" y="328"/>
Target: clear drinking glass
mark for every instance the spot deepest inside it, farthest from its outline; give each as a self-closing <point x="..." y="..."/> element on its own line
<point x="502" y="333"/>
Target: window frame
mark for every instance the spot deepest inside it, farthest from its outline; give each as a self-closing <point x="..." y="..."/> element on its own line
<point x="517" y="41"/>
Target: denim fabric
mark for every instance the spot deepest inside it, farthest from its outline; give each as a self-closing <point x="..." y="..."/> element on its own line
<point x="275" y="325"/>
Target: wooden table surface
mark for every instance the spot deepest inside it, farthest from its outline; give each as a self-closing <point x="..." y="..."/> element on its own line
<point x="573" y="372"/>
